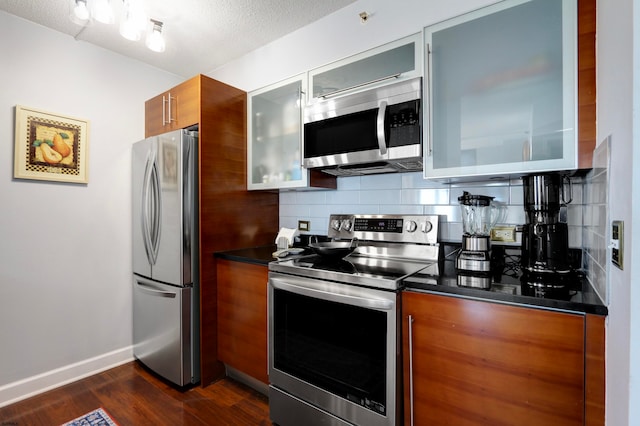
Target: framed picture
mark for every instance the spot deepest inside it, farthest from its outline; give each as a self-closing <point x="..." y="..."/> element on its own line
<point x="51" y="147"/>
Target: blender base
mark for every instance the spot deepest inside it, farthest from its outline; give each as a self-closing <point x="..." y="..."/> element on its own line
<point x="473" y="261"/>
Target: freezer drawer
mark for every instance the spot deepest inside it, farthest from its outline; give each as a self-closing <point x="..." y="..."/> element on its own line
<point x="164" y="336"/>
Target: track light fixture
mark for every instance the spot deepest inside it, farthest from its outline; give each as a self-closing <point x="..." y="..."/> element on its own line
<point x="133" y="22"/>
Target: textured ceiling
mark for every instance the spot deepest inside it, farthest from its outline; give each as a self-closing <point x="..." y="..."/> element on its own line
<point x="200" y="34"/>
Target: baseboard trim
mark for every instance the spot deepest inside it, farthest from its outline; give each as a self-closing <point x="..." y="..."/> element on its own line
<point x="244" y="378"/>
<point x="31" y="386"/>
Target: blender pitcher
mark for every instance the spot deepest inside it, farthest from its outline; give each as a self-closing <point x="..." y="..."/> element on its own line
<point x="479" y="214"/>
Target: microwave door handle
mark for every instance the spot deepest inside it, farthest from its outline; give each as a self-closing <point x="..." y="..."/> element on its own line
<point x="382" y="112"/>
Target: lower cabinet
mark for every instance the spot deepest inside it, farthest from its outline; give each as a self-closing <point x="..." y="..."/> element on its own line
<point x="242" y="317"/>
<point x="469" y="362"/>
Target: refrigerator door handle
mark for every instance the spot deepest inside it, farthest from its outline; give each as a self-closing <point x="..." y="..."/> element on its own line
<point x="188" y="196"/>
<point x="151" y="211"/>
<point x="157" y="209"/>
<point x="150" y="289"/>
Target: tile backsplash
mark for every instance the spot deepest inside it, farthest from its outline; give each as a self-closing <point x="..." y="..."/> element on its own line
<point x="409" y="193"/>
<point x="596" y="231"/>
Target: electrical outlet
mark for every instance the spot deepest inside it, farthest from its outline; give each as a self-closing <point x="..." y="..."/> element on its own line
<point x="617" y="243"/>
<point x="505" y="234"/>
<point x="304" y="225"/>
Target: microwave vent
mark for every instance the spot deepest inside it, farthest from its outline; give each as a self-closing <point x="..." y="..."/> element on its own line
<point x="409" y="165"/>
<point x="379" y="167"/>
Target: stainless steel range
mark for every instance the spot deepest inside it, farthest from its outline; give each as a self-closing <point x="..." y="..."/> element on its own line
<point x="334" y="328"/>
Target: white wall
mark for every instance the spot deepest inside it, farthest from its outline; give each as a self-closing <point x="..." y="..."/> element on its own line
<point x="341" y="34"/>
<point x="616" y="93"/>
<point x="65" y="273"/>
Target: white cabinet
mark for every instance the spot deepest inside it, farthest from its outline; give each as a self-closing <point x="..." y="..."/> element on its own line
<point x="275" y="135"/>
<point x="502" y="91"/>
<point x="399" y="60"/>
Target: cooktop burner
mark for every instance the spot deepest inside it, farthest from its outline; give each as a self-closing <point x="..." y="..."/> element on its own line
<point x="353" y="269"/>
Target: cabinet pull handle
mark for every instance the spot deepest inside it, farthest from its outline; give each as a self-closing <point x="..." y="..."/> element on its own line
<point x="382" y="142"/>
<point x="171" y="118"/>
<point x="377" y="80"/>
<point x="429" y="103"/>
<point x="301" y="94"/>
<point x="410" y="333"/>
<point x="164" y="111"/>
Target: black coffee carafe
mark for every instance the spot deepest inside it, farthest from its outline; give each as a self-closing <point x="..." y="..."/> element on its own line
<point x="545" y="236"/>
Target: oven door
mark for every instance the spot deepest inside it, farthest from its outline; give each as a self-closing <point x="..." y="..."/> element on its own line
<point x="333" y="353"/>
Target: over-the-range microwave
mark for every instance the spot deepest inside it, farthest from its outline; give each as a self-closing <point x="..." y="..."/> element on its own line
<point x="373" y="131"/>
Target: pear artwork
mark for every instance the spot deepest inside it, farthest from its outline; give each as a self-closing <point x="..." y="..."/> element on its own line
<point x="49" y="154"/>
<point x="54" y="150"/>
<point x="60" y="145"/>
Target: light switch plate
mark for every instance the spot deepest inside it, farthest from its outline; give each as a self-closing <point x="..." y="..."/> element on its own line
<point x="617" y="243"/>
<point x="304" y="225"/>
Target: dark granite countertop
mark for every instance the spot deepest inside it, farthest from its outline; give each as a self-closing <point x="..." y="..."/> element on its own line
<point x="262" y="255"/>
<point x="256" y="255"/>
<point x="579" y="297"/>
<point x="506" y="288"/>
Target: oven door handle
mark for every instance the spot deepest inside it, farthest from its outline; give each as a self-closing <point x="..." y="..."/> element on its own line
<point x="349" y="299"/>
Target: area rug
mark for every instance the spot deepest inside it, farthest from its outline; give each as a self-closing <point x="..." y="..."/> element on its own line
<point x="97" y="417"/>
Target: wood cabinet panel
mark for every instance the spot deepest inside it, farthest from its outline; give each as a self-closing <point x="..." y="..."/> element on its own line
<point x="595" y="371"/>
<point x="230" y="216"/>
<point x="242" y="317"/>
<point x="479" y="363"/>
<point x="176" y="108"/>
<point x="154" y="110"/>
<point x="586" y="82"/>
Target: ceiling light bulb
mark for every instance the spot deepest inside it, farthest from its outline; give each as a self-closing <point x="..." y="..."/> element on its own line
<point x="79" y="12"/>
<point x="129" y="31"/>
<point x="133" y="20"/>
<point x="155" y="39"/>
<point x="103" y="12"/>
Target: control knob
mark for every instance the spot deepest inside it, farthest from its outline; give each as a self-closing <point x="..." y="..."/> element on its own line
<point x="412" y="226"/>
<point x="427" y="227"/>
<point x="335" y="224"/>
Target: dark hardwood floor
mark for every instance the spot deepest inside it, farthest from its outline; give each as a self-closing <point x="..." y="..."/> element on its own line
<point x="134" y="396"/>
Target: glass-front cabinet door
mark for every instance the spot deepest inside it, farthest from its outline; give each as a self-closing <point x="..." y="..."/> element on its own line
<point x="502" y="90"/>
<point x="398" y="60"/>
<point x="275" y="136"/>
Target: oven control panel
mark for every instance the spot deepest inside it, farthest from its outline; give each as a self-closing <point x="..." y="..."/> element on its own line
<point x="417" y="229"/>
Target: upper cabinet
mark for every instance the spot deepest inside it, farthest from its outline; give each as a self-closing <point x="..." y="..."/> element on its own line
<point x="176" y="108"/>
<point x="275" y="135"/>
<point x="399" y="60"/>
<point x="502" y="91"/>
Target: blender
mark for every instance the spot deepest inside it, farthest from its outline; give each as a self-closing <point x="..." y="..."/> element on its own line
<point x="473" y="263"/>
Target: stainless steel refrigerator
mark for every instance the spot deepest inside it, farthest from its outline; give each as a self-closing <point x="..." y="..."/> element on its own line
<point x="165" y="256"/>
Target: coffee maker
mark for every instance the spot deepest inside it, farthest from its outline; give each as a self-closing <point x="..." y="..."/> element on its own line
<point x="473" y="263"/>
<point x="545" y="236"/>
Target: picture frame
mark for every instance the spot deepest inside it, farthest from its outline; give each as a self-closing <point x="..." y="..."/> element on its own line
<point x="50" y="146"/>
